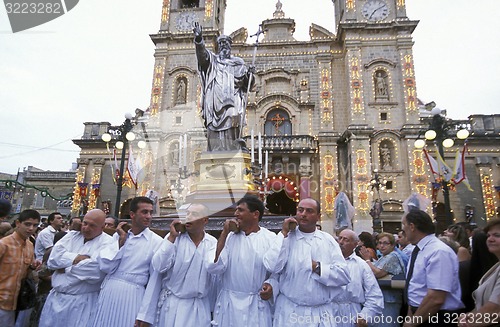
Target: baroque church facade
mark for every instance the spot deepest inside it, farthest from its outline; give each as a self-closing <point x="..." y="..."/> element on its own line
<point x="333" y="112"/>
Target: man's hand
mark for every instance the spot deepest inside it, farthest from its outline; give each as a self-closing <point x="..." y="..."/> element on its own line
<point x="267" y="292"/>
<point x="173" y="232"/>
<point x="360" y="322"/>
<point x="121" y="233"/>
<point x="36" y="264"/>
<point x="365" y="254"/>
<point x="198" y="34"/>
<point x="79" y="258"/>
<point x="140" y="323"/>
<point x="288" y="225"/>
<point x="251" y="69"/>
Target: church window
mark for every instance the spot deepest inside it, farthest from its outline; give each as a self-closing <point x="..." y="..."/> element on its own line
<point x="278" y="123"/>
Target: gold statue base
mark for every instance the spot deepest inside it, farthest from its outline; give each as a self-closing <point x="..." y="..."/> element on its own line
<point x="224" y="178"/>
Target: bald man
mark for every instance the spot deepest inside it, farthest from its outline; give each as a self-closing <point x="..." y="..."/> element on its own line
<point x="77" y="280"/>
<point x="362" y="299"/>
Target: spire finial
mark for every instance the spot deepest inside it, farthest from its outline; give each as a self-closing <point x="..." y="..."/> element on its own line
<point x="279" y="13"/>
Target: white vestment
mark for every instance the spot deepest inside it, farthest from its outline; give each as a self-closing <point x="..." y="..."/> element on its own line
<point x="44" y="240"/>
<point x="305" y="297"/>
<point x="186" y="297"/>
<point x="128" y="269"/>
<point x="73" y="298"/>
<point x="242" y="276"/>
<point x="361" y="297"/>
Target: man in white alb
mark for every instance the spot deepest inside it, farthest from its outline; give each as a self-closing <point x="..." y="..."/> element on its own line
<point x="127" y="262"/>
<point x="186" y="297"/>
<point x="245" y="289"/>
<point x="77" y="279"/>
<point x="312" y="270"/>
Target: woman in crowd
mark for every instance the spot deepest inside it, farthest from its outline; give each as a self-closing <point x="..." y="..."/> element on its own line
<point x="487" y="295"/>
<point x="389" y="264"/>
<point x="458" y="233"/>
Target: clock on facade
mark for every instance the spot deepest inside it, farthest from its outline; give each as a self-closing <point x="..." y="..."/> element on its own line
<point x="375" y="10"/>
<point x="185" y="21"/>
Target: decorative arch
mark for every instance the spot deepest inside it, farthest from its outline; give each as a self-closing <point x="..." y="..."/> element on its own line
<point x="282" y="195"/>
<point x="278" y="122"/>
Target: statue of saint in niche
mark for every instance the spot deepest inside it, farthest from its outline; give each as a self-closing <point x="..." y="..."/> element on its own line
<point x="381" y="90"/>
<point x="181" y="92"/>
<point x="385" y="155"/>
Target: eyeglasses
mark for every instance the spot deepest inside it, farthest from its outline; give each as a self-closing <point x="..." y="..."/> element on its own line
<point x="383" y="243"/>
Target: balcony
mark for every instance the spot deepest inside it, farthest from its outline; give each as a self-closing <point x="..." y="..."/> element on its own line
<point x="289" y="143"/>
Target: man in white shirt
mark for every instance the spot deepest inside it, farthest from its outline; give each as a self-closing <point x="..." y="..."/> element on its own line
<point x="432" y="284"/>
<point x="127" y="262"/>
<point x="245" y="290"/>
<point x="45" y="238"/>
<point x="312" y="270"/>
<point x="406" y="247"/>
<point x="362" y="299"/>
<point x="186" y="287"/>
<point x="77" y="278"/>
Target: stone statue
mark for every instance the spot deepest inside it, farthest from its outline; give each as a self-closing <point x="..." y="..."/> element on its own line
<point x="181" y="92"/>
<point x="385" y="154"/>
<point x="224" y="80"/>
<point x="381" y="86"/>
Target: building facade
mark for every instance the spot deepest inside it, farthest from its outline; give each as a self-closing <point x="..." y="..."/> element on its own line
<point x="332" y="112"/>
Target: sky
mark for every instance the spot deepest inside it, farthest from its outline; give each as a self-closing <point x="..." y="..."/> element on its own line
<point x="95" y="63"/>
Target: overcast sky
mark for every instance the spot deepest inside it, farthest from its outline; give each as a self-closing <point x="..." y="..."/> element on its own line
<point x="95" y="64"/>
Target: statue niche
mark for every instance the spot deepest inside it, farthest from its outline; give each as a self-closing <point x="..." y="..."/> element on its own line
<point x="180" y="91"/>
<point x="381" y="85"/>
<point x="385" y="153"/>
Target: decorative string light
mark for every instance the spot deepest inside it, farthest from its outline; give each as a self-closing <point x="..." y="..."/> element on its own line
<point x="488" y="195"/>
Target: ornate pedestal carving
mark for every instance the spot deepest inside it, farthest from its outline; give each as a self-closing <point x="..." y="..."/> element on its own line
<point x="223" y="179"/>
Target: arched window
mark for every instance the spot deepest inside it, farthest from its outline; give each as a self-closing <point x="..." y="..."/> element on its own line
<point x="278" y="123"/>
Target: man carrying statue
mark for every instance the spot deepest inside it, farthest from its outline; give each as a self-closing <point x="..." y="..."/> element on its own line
<point x="225" y="84"/>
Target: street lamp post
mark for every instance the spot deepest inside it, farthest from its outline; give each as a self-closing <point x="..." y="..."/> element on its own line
<point x="376" y="209"/>
<point x="125" y="135"/>
<point x="439" y="131"/>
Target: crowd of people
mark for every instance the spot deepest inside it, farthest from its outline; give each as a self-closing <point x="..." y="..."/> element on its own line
<point x="249" y="276"/>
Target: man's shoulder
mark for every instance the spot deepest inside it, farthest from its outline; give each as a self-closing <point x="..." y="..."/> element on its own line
<point x="437" y="248"/>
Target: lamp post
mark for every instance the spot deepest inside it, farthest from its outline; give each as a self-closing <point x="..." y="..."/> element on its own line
<point x="439" y="132"/>
<point x="124" y="136"/>
<point x="377" y="208"/>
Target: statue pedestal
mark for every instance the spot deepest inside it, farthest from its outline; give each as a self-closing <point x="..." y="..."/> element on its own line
<point x="223" y="179"/>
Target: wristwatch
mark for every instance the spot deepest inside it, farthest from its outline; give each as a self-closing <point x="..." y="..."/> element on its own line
<point x="317" y="270"/>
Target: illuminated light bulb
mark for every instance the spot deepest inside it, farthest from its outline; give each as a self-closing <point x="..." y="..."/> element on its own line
<point x="106" y="137"/>
<point x="141" y="144"/>
<point x="419" y="144"/>
<point x="119" y="145"/>
<point x="130" y="136"/>
<point x="462" y="134"/>
<point x="430" y="135"/>
<point x="448" y="143"/>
